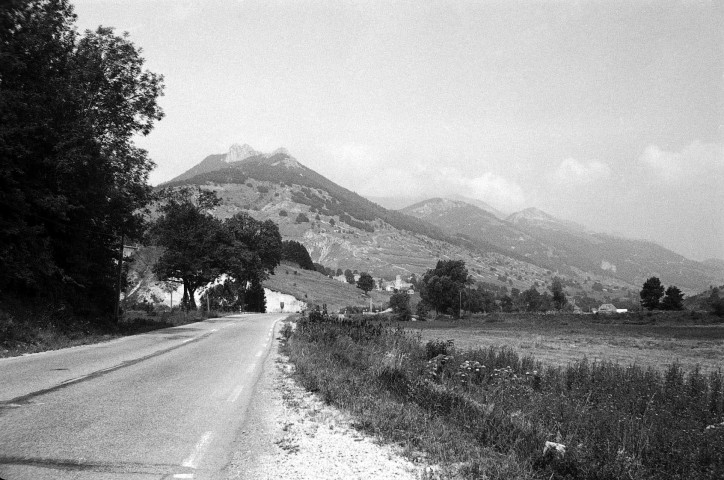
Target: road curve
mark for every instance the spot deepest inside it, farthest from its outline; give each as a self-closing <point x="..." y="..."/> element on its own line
<point x="163" y="405"/>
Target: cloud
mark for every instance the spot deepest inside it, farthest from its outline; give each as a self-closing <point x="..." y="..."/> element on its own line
<point x="372" y="174"/>
<point x="494" y="189"/>
<point x="573" y="172"/>
<point x="695" y="161"/>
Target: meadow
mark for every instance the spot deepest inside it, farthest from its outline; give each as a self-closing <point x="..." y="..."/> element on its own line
<point x="496" y="413"/>
<point x="558" y="340"/>
<point x="316" y="289"/>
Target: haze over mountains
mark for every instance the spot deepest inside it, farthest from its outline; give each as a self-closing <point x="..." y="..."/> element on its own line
<point x="345" y="230"/>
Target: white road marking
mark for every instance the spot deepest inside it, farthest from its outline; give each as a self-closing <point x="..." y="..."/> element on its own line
<point x="183" y="475"/>
<point x="197" y="454"/>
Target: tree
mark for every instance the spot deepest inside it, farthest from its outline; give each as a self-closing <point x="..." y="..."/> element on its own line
<point x="559" y="296"/>
<point x="199" y="249"/>
<point x="72" y="181"/>
<point x="400" y="305"/>
<point x="301" y="218"/>
<point x="294" y="251"/>
<point x="349" y="276"/>
<point x="716" y="303"/>
<point x="365" y="282"/>
<point x="422" y="309"/>
<point x="339" y="272"/>
<point x="673" y="299"/>
<point x="531" y="300"/>
<point x="254" y="249"/>
<point x="255" y="299"/>
<point x="194" y="242"/>
<point x="651" y="292"/>
<point x="441" y="286"/>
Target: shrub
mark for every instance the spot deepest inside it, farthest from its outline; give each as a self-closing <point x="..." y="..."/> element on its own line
<point x="301" y="218"/>
<point x="283" y="213"/>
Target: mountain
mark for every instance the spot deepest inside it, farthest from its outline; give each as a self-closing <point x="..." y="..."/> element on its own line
<point x="568" y="248"/>
<point x="461" y="217"/>
<point x="714" y="262"/>
<point x="213" y="163"/>
<point x="344" y="229"/>
<point x="478" y="203"/>
<point x="534" y="217"/>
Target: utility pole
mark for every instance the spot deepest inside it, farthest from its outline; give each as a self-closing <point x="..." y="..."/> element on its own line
<point x="120" y="274"/>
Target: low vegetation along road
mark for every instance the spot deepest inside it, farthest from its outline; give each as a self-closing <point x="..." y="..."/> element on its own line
<point x="162" y="405"/>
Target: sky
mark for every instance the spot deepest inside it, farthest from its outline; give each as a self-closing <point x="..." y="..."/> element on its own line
<point x="607" y="113"/>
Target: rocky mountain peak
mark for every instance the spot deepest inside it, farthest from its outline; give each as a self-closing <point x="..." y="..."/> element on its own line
<point x="238" y="153"/>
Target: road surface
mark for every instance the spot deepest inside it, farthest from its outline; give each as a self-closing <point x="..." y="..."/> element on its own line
<point x="167" y="404"/>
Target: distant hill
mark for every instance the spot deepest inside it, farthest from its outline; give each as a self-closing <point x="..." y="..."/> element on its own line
<point x="567" y="247"/>
<point x="534" y="217"/>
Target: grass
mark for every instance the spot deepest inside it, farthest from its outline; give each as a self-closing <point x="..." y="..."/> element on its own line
<point x="314" y="288"/>
<point x="487" y="412"/>
<point x="560" y="340"/>
<point x="31" y="330"/>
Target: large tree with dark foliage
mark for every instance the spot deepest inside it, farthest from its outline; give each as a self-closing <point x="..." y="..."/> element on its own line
<point x="441" y="286"/>
<point x="365" y="282"/>
<point x="199" y="248"/>
<point x="559" y="296"/>
<point x="71" y="180"/>
<point x="196" y="246"/>
<point x="294" y="251"/>
<point x="673" y="299"/>
<point x="400" y="305"/>
<point x="651" y="293"/>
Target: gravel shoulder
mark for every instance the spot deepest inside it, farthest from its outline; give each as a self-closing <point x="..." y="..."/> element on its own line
<point x="290" y="433"/>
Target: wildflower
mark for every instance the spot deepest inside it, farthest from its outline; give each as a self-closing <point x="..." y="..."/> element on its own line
<point x="557" y="449"/>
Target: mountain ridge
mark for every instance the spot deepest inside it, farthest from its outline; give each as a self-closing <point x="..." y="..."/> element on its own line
<point x="348" y="229"/>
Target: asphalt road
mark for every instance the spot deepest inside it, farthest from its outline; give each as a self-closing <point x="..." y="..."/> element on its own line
<point x="163" y="405"/>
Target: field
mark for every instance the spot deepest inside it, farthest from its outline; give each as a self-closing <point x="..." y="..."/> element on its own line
<point x="567" y="339"/>
<point x="494" y="413"/>
<point x="314" y="288"/>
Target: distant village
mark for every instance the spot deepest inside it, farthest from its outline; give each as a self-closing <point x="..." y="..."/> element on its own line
<point x="382" y="285"/>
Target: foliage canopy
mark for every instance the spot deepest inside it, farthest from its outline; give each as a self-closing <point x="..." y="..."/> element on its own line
<point x="72" y="180"/>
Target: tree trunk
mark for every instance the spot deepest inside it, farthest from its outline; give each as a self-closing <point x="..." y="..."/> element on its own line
<point x="192" y="300"/>
<point x="185" y="298"/>
<point x="189" y="302"/>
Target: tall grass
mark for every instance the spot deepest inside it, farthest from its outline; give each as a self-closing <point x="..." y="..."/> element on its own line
<point x="489" y="412"/>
